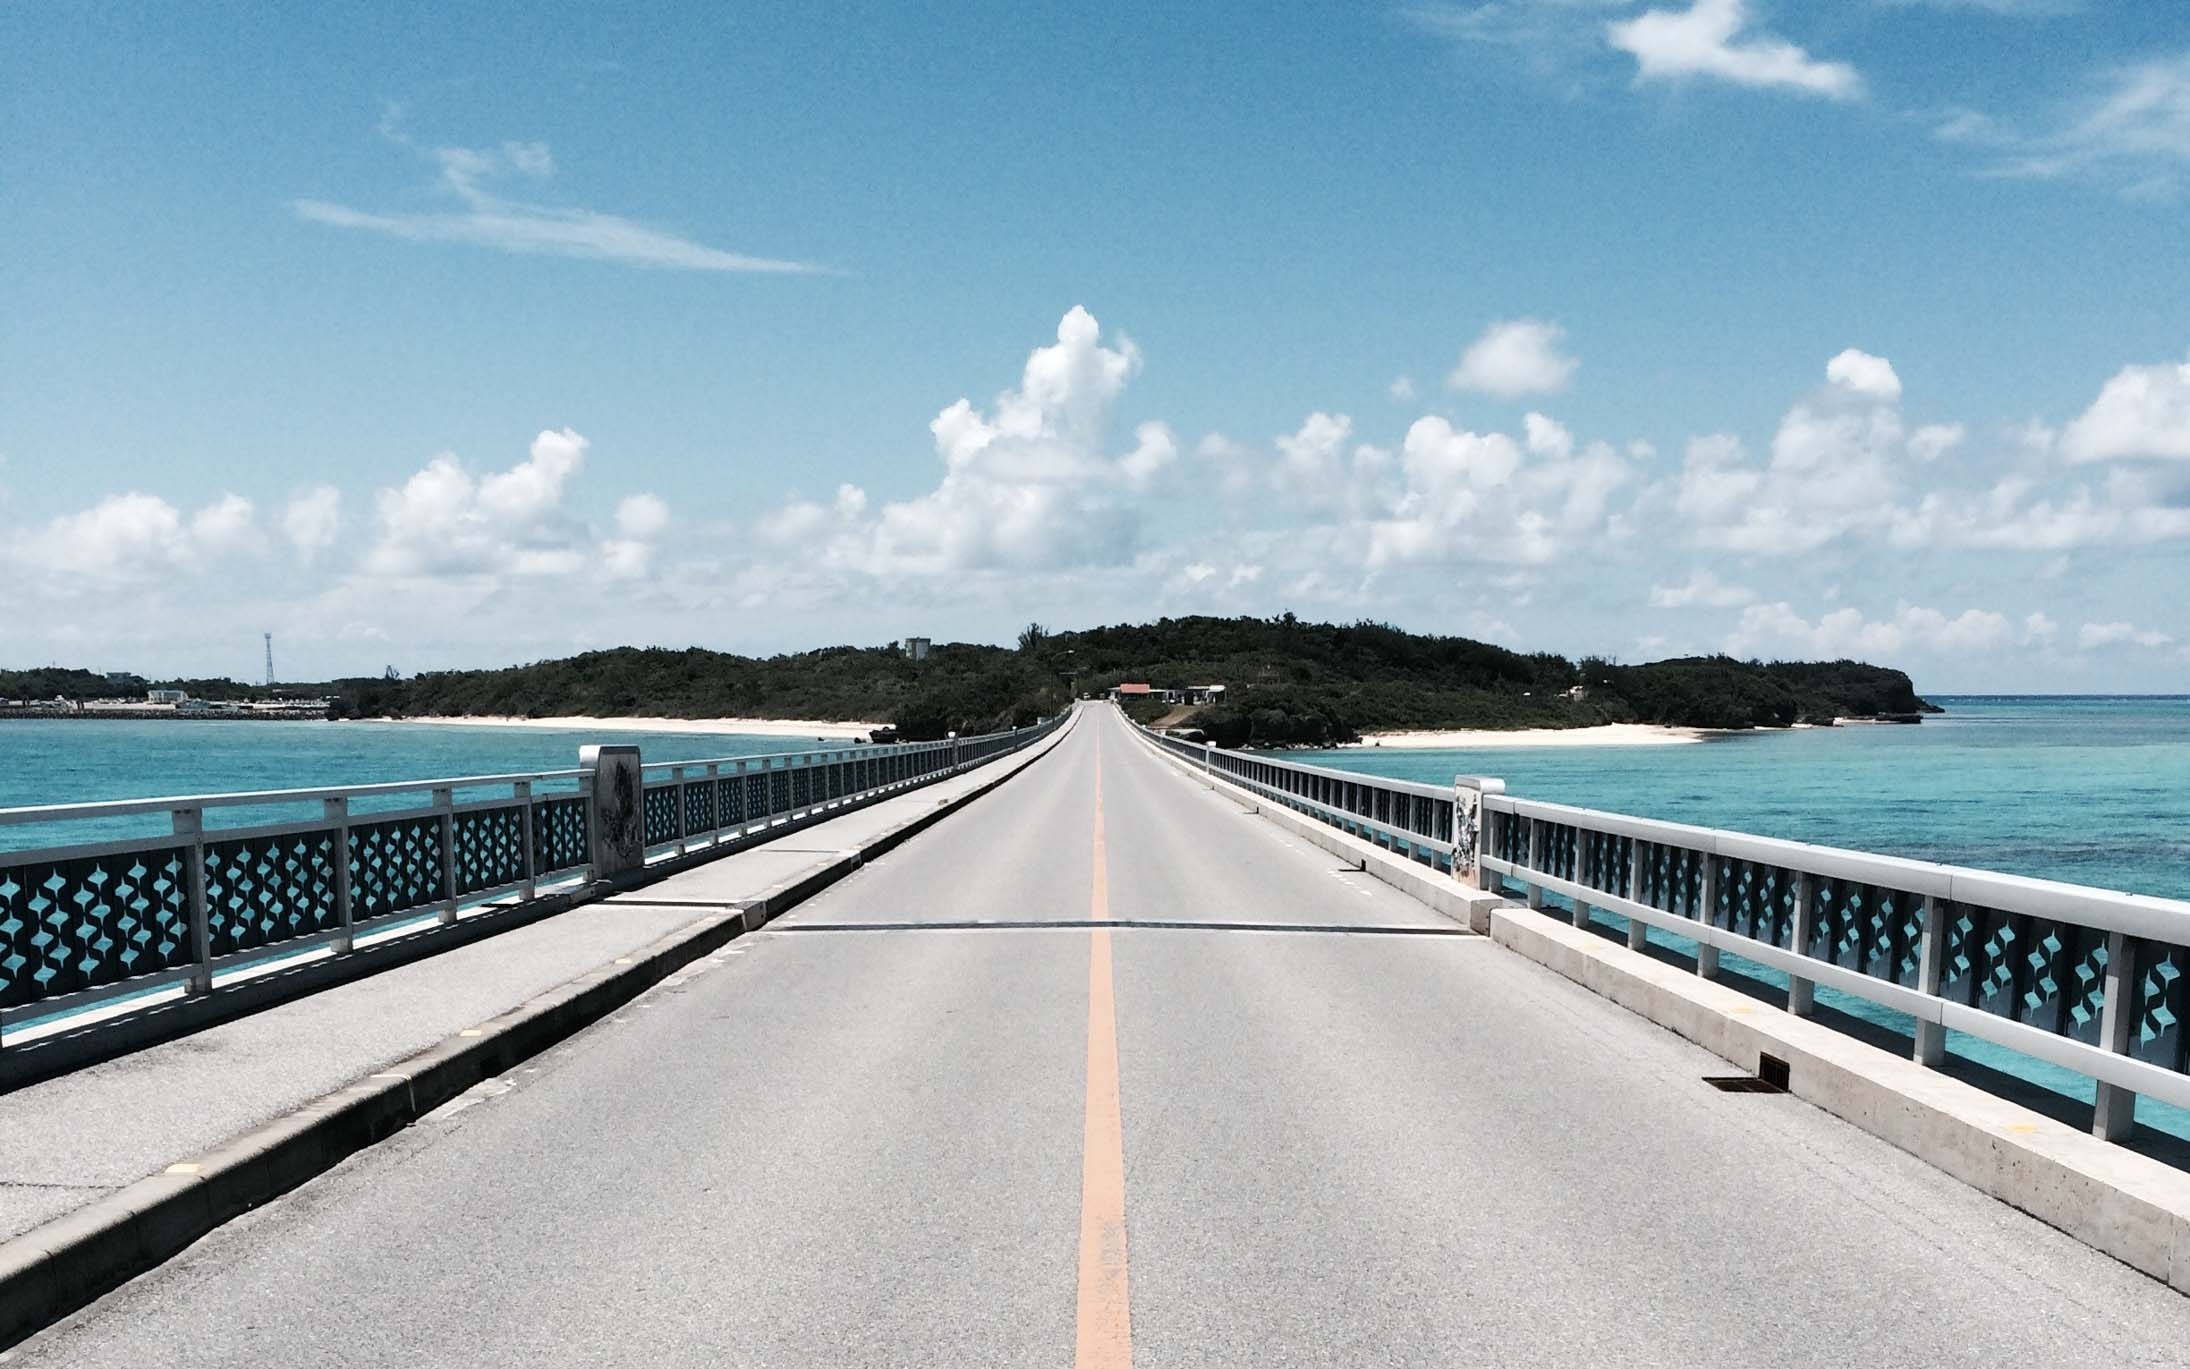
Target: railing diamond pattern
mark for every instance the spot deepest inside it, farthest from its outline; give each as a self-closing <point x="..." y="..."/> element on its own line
<point x="71" y="925"/>
<point x="264" y="890"/>
<point x="490" y="848"/>
<point x="395" y="866"/>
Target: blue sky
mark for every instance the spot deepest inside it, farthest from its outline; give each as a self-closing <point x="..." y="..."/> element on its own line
<point x="445" y="339"/>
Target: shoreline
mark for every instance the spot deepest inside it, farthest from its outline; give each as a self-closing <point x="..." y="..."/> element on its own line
<point x="744" y="727"/>
<point x="1480" y="739"/>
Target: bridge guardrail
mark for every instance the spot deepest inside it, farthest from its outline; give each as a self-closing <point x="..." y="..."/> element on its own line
<point x="2090" y="980"/>
<point x="1438" y="826"/>
<point x="86" y="923"/>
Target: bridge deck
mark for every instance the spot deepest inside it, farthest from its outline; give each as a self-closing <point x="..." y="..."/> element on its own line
<point x="84" y="1134"/>
<point x="864" y="1136"/>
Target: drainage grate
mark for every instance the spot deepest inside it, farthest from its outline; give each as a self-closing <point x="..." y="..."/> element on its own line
<point x="1771" y="1077"/>
<point x="1740" y="1083"/>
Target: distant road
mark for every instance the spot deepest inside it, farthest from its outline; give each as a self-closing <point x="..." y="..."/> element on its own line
<point x="1145" y="1082"/>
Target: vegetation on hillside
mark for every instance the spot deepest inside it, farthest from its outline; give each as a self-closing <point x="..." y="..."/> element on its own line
<point x="1286" y="682"/>
<point x="62" y="682"/>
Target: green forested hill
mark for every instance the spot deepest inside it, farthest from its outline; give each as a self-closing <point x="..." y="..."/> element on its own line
<point x="1288" y="682"/>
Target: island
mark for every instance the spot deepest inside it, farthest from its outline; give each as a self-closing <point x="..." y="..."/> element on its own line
<point x="1262" y="682"/>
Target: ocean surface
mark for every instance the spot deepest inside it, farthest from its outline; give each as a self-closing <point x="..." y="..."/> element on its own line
<point x="50" y="762"/>
<point x="2088" y="790"/>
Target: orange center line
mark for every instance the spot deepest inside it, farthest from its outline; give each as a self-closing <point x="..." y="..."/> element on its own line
<point x="1105" y="1317"/>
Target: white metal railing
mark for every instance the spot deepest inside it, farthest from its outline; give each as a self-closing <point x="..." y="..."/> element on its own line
<point x="1437" y="825"/>
<point x="2090" y="980"/>
<point x="689" y="803"/>
<point x="83" y="923"/>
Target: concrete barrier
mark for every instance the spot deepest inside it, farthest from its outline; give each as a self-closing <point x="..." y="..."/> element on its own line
<point x="2114" y="1200"/>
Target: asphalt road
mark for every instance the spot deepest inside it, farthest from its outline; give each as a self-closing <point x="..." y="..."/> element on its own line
<point x="879" y="1133"/>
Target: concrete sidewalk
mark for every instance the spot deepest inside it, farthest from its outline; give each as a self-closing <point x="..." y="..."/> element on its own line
<point x="73" y="1140"/>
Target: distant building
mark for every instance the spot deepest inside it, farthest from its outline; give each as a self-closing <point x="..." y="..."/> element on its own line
<point x="1122" y="692"/>
<point x="1205" y="694"/>
<point x="166" y="696"/>
<point x="916" y="648"/>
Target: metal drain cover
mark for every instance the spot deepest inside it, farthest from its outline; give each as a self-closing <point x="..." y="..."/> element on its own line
<point x="1771" y="1077"/>
<point x="1740" y="1083"/>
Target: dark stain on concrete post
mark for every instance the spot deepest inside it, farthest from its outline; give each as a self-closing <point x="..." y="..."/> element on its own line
<point x="617" y="791"/>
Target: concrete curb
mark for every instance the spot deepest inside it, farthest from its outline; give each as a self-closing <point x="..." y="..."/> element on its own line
<point x="54" y="1269"/>
<point x="1471" y="908"/>
<point x="2114" y="1200"/>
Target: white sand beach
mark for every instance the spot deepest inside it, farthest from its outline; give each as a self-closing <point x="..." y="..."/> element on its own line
<point x="1609" y="734"/>
<point x="747" y="727"/>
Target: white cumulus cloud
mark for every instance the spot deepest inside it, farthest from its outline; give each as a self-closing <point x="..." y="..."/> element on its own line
<point x="1708" y="39"/>
<point x="134" y="538"/>
<point x="1027" y="483"/>
<point x="1848" y="632"/>
<point x="312" y="521"/>
<point x="2093" y="636"/>
<point x="1515" y="357"/>
<point x="446" y="521"/>
<point x="2143" y="411"/>
<point x="1860" y="373"/>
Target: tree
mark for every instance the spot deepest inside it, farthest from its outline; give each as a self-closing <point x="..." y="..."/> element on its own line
<point x="1032" y="636"/>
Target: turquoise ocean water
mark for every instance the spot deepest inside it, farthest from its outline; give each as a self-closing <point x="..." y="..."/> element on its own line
<point x="2091" y="790"/>
<point x="2088" y="790"/>
<point x="50" y="762"/>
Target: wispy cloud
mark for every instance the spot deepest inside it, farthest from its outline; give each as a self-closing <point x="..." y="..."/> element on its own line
<point x="484" y="219"/>
<point x="2130" y="130"/>
<point x="1558" y="42"/>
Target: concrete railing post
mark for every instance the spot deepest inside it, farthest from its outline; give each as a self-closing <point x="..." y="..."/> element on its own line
<point x="615" y="798"/>
<point x="676" y="777"/>
<point x="190" y="822"/>
<point x="337" y="811"/>
<point x="1802" y="993"/>
<point x="444" y="802"/>
<point x="529" y="887"/>
<point x="1535" y="864"/>
<point x="1467" y="826"/>
<point x="2114" y="1109"/>
<point x="1638" y="931"/>
<point x="1931" y="1037"/>
<point x="1707" y="955"/>
<point x="1581" y="877"/>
